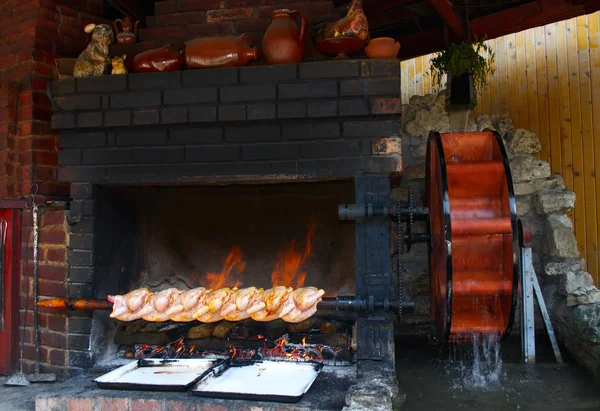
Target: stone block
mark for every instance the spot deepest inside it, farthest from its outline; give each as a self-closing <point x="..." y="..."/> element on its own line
<point x="574" y="283"/>
<point x="483" y="122"/>
<point x="556" y="201"/>
<point x="528" y="187"/>
<point x="591" y="296"/>
<point x="527" y="168"/>
<point x="523" y="142"/>
<point x="559" y="240"/>
<point x="523" y="204"/>
<point x="504" y="125"/>
<point x="560" y="268"/>
<point x="585" y="320"/>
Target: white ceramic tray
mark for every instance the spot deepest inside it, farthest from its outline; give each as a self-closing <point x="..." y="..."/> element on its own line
<point x="283" y="381"/>
<point x="157" y="374"/>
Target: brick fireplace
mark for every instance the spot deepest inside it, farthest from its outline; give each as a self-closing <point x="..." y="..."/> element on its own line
<point x="302" y="138"/>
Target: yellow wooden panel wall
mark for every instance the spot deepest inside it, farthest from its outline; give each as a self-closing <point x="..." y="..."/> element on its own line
<point x="547" y="80"/>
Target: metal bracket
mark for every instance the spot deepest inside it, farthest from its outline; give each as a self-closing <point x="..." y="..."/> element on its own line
<point x="529" y="286"/>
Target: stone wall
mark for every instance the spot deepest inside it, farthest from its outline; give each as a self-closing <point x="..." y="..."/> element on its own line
<point x="573" y="300"/>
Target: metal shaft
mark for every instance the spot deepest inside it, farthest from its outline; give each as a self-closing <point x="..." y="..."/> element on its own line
<point x="327" y="304"/>
<point x="36" y="338"/>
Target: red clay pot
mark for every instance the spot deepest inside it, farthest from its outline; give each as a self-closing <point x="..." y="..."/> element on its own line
<point x="221" y="51"/>
<point x="282" y="44"/>
<point x="166" y="58"/>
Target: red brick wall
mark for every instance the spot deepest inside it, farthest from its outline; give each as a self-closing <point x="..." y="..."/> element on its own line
<point x="33" y="33"/>
<point x="176" y="21"/>
<point x="52" y="282"/>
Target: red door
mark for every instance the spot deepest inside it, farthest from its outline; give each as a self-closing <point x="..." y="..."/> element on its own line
<point x="9" y="307"/>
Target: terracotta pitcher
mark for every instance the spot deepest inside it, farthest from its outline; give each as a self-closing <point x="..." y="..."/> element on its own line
<point x="282" y="44"/>
<point x="128" y="32"/>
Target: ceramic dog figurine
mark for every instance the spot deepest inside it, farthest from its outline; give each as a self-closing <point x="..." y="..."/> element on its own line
<point x="118" y="64"/>
<point x="94" y="60"/>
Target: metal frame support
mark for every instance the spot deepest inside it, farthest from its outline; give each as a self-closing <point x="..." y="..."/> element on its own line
<point x="375" y="331"/>
<point x="530" y="287"/>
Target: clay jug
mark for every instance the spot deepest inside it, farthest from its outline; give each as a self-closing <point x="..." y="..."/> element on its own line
<point x="128" y="32"/>
<point x="220" y="51"/>
<point x="166" y="58"/>
<point x="282" y="44"/>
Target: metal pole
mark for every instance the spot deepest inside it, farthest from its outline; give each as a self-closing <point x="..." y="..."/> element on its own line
<point x="546" y="317"/>
<point x="34" y="210"/>
<point x="527" y="324"/>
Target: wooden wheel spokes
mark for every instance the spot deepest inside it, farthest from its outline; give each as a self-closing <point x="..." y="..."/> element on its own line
<point x="473" y="249"/>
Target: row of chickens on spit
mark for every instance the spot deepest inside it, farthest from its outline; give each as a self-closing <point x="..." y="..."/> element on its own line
<point x="232" y="304"/>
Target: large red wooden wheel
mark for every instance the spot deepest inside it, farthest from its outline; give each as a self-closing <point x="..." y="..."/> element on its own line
<point x="473" y="252"/>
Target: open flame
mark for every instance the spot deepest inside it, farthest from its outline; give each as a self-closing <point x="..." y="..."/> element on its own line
<point x="233" y="261"/>
<point x="280" y="349"/>
<point x="287" y="271"/>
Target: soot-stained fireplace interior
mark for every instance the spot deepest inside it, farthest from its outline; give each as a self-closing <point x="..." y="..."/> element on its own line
<point x="224" y="236"/>
<point x="183" y="178"/>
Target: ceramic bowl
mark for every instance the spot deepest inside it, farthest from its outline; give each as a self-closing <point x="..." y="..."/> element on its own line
<point x="382" y="48"/>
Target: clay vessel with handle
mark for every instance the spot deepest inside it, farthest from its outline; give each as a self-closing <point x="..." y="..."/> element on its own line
<point x="220" y="51"/>
<point x="166" y="58"/>
<point x="127" y="34"/>
<point x="283" y="43"/>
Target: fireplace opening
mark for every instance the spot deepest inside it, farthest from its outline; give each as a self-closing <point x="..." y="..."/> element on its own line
<point x="183" y="237"/>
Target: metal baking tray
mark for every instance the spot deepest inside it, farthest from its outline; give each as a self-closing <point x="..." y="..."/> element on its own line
<point x="281" y="381"/>
<point x="157" y="374"/>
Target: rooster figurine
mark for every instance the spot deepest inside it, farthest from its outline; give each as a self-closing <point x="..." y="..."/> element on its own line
<point x="353" y="25"/>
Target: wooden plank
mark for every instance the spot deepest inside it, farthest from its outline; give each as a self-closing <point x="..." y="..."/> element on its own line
<point x="542" y="93"/>
<point x="411" y="78"/>
<point x="564" y="105"/>
<point x="419" y="76"/>
<point x="513" y="103"/>
<point x="454" y="23"/>
<point x="594" y="47"/>
<point x="404" y="81"/>
<point x="427" y="77"/>
<point x="553" y="99"/>
<point x="523" y="109"/>
<point x="576" y="138"/>
<point x="532" y="91"/>
<point x="589" y="175"/>
<point x="484" y="93"/>
<point x="494" y="80"/>
<point x="502" y="74"/>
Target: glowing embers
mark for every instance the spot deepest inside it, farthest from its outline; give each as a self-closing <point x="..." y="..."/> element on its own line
<point x="296" y="348"/>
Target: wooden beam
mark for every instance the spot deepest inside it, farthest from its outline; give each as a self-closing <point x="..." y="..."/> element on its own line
<point x="449" y="16"/>
<point x="494" y="25"/>
<point x="375" y="7"/>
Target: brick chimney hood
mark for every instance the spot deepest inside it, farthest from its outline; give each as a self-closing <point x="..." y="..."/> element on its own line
<point x="322" y="120"/>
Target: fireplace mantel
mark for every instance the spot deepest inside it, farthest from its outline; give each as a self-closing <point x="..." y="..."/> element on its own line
<point x="322" y="120"/>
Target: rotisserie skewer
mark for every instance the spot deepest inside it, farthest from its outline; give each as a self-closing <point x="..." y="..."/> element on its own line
<point x="203" y="305"/>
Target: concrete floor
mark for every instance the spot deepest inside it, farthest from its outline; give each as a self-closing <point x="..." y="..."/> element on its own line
<point x="21" y="398"/>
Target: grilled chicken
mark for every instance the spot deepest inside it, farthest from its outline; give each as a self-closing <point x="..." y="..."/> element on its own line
<point x="214" y="305"/>
<point x="304" y="304"/>
<point x="218" y="305"/>
<point x="246" y="301"/>
<point x="131" y="306"/>
<point x="160" y="303"/>
<point x="189" y="303"/>
<point x="273" y="298"/>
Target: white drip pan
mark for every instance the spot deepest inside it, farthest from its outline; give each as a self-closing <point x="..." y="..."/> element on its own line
<point x="282" y="381"/>
<point x="157" y="374"/>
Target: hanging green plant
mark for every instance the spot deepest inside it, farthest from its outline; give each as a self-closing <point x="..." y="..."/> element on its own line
<point x="459" y="59"/>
